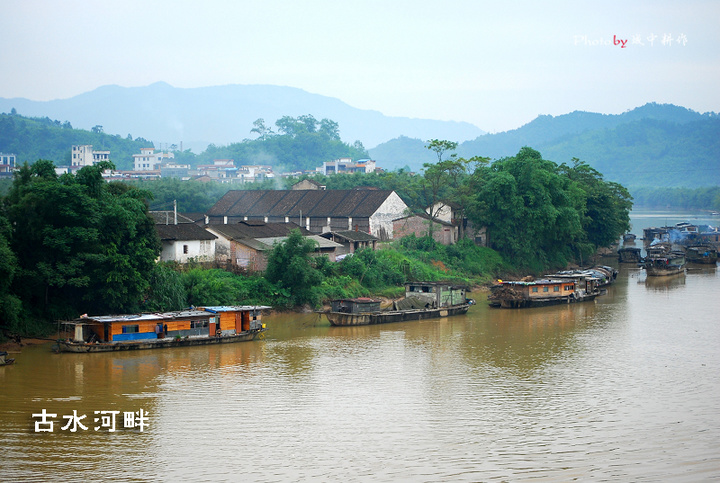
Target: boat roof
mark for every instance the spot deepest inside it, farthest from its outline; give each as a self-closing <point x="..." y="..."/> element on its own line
<point x="234" y="308"/>
<point x="535" y="282"/>
<point x="160" y="316"/>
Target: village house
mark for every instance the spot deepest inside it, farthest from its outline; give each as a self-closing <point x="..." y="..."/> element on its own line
<point x="346" y="165"/>
<point x="443" y="232"/>
<point x="308" y="184"/>
<point x="184" y="242"/>
<point x="247" y="244"/>
<point x="351" y="241"/>
<point x="318" y="211"/>
<point x="85" y="155"/>
<point x="7" y="164"/>
<point x="149" y="160"/>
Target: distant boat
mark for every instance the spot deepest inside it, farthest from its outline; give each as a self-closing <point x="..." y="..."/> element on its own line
<point x="423" y="300"/>
<point x="629" y="255"/>
<point x="661" y="261"/>
<point x="701" y="254"/>
<point x="567" y="289"/>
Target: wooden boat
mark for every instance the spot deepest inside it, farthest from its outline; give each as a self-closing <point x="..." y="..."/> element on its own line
<point x="561" y="289"/>
<point x="661" y="261"/>
<point x="195" y="326"/>
<point x="629" y="255"/>
<point x="4" y="359"/>
<point x="423" y="300"/>
<point x="705" y="254"/>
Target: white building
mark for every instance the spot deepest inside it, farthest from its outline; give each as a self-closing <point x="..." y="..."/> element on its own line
<point x="84" y="155"/>
<point x="346" y="165"/>
<point x="149" y="160"/>
<point x="8" y="162"/>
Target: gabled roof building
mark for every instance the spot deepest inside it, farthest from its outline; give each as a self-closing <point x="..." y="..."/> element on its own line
<point x="318" y="211"/>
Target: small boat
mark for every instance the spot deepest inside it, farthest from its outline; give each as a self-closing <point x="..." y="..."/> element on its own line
<point x="662" y="261"/>
<point x="423" y="300"/>
<point x="4" y="359"/>
<point x="629" y="255"/>
<point x="195" y="326"/>
<point x="705" y="254"/>
<point x="561" y="289"/>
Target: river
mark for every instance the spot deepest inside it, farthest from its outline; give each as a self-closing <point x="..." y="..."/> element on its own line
<point x="623" y="388"/>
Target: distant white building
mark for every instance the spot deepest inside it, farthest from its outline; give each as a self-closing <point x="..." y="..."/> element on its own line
<point x="149" y="160"/>
<point x="8" y="162"/>
<point x="84" y="155"/>
<point x="346" y="165"/>
<point x="255" y="172"/>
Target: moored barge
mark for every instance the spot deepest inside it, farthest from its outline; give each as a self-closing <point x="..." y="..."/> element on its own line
<point x="423" y="300"/>
<point x="561" y="289"/>
<point x="195" y="326"/>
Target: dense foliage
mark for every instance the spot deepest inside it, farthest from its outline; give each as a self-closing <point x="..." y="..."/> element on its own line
<point x="41" y="138"/>
<point x="541" y="215"/>
<point x="707" y="198"/>
<point x="77" y="245"/>
<point x="301" y="143"/>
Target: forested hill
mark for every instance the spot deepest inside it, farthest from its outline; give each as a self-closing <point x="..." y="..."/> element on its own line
<point x="652" y="145"/>
<point x="220" y="115"/>
<point x="31" y="139"/>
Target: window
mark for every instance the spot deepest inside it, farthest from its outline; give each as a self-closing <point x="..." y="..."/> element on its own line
<point x="535" y="289"/>
<point x="130" y="329"/>
<point x="556" y="288"/>
<point x="198" y="324"/>
<point x="545" y="289"/>
<point x="185" y="249"/>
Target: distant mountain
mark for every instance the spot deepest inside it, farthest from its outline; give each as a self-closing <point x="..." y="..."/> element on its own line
<point x="224" y="114"/>
<point x="652" y="145"/>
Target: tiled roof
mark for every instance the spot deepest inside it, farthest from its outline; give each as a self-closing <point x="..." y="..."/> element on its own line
<point x="183" y="231"/>
<point x="351" y="235"/>
<point x="256" y="229"/>
<point x="314" y="203"/>
<point x="426" y="217"/>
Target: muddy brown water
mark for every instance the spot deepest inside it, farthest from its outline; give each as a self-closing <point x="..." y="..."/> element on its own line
<point x="626" y="388"/>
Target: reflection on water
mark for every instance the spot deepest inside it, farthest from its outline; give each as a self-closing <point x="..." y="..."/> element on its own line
<point x="621" y="388"/>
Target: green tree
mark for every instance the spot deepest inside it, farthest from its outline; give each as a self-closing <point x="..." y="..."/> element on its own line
<point x="532" y="211"/>
<point x="82" y="245"/>
<point x="292" y="267"/>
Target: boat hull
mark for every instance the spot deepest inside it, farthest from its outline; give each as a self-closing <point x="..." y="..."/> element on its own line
<point x="664" y="272"/>
<point x="82" y="347"/>
<point x="347" y="319"/>
<point x="523" y="303"/>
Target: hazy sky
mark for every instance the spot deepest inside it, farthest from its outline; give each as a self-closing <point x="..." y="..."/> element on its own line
<point x="494" y="64"/>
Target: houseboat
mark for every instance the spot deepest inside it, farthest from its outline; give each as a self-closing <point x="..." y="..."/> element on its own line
<point x="561" y="289"/>
<point x="423" y="300"/>
<point x="194" y="326"/>
<point x="705" y="254"/>
<point x="602" y="273"/>
<point x="629" y="255"/>
<point x="661" y="260"/>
